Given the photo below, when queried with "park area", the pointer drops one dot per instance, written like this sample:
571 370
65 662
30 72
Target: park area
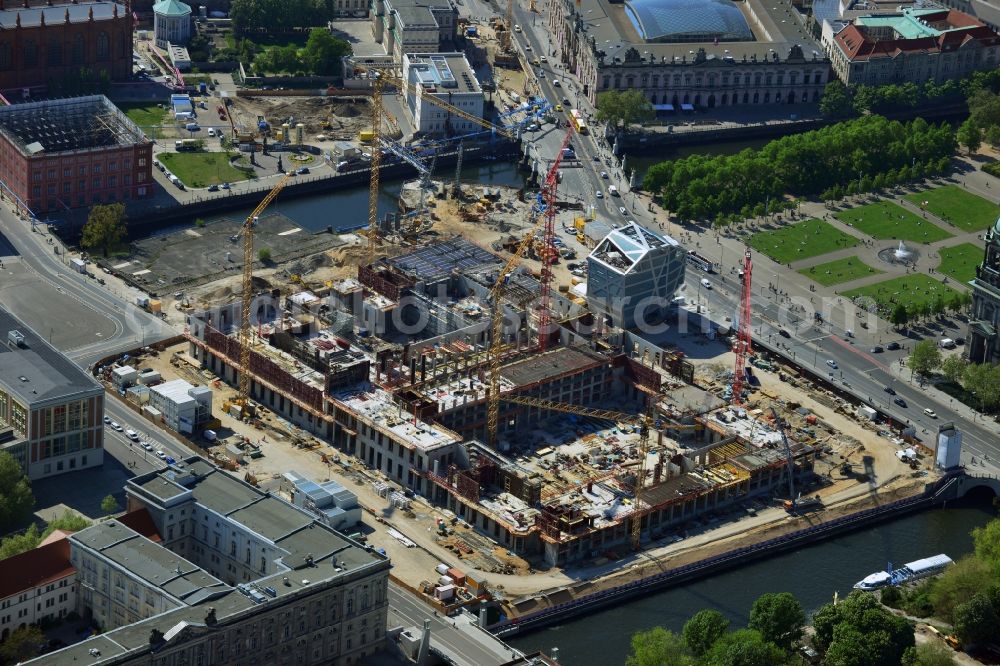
149 117
958 207
803 240
884 220
960 261
839 271
204 169
912 291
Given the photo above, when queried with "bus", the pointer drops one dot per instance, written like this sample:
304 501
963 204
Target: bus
701 262
578 122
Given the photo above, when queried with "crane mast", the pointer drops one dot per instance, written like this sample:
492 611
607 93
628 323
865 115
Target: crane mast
744 342
548 245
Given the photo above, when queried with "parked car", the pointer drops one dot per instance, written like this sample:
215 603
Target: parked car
302 171
116 426
213 188
132 434
876 350
160 454
107 419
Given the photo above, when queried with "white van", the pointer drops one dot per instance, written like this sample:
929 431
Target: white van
947 343
192 127
613 191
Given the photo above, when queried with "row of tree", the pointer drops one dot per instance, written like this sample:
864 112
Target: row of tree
905 313
983 123
981 380
623 108
858 631
706 187
278 15
890 178
840 101
320 56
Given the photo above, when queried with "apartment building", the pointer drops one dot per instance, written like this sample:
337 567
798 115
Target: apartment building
36 585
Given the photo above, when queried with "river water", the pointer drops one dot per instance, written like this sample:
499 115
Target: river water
812 574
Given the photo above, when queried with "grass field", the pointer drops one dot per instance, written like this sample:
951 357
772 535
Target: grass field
887 220
146 116
909 290
960 261
838 271
802 240
956 206
202 169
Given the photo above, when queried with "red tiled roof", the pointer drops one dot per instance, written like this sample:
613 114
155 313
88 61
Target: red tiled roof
857 46
34 568
140 521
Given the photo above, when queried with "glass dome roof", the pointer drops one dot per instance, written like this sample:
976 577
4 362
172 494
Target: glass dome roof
688 20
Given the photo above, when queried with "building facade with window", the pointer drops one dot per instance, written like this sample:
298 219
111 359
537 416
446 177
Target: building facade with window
690 54
984 341
44 43
237 576
51 411
37 585
450 78
71 153
414 26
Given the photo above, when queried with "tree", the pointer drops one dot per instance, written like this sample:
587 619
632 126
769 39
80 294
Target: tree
899 316
984 108
924 358
658 647
22 645
105 227
969 135
779 618
109 504
745 647
983 381
953 368
992 135
987 544
264 254
323 52
16 500
835 102
928 654
958 584
977 620
858 631
623 108
703 630
16 544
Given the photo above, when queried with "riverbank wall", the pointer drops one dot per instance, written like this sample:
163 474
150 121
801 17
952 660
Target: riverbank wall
943 490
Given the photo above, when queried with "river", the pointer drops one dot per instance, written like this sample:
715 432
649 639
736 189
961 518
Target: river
812 574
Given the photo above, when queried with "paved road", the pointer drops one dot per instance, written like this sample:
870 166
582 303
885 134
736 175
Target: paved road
465 643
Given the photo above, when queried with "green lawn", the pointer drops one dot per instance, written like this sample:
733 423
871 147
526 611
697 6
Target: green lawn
887 220
839 270
146 116
960 261
202 169
956 206
802 240
909 290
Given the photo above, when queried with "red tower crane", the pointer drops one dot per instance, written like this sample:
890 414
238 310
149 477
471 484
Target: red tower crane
744 343
549 251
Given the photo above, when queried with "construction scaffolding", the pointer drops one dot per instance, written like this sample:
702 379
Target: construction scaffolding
67 125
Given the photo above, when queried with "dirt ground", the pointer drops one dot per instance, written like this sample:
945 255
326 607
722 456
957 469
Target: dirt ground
347 116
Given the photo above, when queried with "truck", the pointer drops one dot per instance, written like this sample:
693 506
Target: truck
366 136
182 145
803 504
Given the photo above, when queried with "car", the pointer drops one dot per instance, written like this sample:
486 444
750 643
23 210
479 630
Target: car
876 350
705 283
536 62
132 434
559 107
157 164
213 188
226 186
302 171
930 412
517 28
600 195
160 453
116 426
555 82
565 101
623 210
161 167
900 402
541 74
960 341
830 362
892 346
544 59
211 131
783 333
889 390
107 419
604 175
527 47
147 446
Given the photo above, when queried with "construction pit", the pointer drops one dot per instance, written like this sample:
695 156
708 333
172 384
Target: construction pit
333 118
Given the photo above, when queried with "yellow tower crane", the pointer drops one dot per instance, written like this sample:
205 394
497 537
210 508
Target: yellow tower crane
376 162
645 423
245 331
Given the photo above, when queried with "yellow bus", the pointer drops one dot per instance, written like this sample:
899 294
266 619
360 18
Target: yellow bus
578 122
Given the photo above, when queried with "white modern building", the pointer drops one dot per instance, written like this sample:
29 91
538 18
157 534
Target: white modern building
450 78
182 406
171 22
333 505
632 275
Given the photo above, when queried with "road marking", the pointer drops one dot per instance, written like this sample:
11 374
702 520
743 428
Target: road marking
290 232
144 271
122 265
189 232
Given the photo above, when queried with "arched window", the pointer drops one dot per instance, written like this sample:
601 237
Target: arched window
78 49
123 45
103 46
4 56
54 54
30 53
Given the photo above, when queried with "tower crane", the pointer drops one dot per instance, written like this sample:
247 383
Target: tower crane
373 189
507 38
547 196
245 331
549 252
744 343
644 421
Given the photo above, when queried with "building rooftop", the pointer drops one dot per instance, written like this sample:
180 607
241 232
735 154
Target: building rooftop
67 125
377 408
35 371
176 391
559 361
688 20
171 8
438 260
75 12
443 73
912 30
34 568
625 247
